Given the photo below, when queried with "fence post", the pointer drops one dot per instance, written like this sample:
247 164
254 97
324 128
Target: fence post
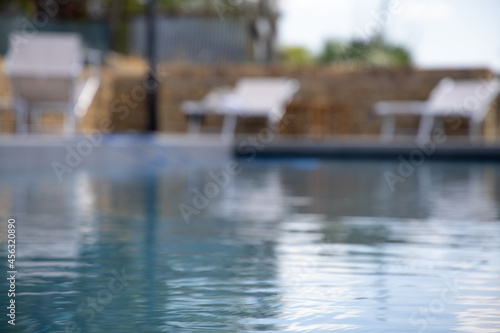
151 54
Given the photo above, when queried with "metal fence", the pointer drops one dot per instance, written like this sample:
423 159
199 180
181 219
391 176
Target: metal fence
196 39
95 34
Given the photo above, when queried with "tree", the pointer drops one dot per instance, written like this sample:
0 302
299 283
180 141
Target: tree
374 53
332 52
296 56
13 6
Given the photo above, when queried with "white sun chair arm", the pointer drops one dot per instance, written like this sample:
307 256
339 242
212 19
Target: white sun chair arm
86 96
89 87
389 108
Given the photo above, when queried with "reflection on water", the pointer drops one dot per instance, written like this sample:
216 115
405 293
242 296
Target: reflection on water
300 246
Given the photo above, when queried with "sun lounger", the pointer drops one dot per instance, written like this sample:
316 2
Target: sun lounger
251 97
45 73
468 99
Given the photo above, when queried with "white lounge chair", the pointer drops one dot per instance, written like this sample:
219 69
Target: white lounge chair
45 73
469 99
251 97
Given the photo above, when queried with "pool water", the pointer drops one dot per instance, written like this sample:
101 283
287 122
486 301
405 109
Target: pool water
299 245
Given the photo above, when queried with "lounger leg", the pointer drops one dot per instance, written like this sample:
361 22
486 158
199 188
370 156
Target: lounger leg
474 130
36 117
229 127
22 113
194 124
425 128
439 123
273 124
70 121
387 131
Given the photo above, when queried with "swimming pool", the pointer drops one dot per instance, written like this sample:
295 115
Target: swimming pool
297 245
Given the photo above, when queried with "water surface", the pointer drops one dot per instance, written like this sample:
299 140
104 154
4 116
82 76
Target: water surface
285 246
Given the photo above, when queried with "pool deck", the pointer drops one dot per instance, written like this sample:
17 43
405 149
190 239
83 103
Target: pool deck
32 151
26 152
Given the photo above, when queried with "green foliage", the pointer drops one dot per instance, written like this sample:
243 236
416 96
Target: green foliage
374 53
126 6
17 5
171 6
139 6
296 56
332 52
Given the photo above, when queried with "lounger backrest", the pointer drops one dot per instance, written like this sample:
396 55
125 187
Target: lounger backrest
464 97
263 94
42 67
44 54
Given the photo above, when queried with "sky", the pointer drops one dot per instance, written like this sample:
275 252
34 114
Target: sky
438 33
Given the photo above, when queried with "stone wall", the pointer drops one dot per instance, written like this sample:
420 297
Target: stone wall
332 101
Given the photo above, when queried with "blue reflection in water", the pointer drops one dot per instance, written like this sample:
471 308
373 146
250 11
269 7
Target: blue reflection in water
301 246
